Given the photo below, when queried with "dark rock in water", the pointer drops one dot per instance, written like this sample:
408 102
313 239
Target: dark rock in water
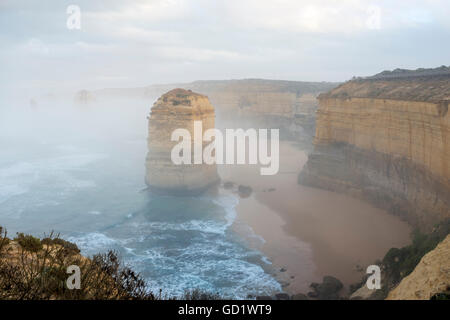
228 185
327 290
299 296
282 296
244 191
264 298
332 284
283 270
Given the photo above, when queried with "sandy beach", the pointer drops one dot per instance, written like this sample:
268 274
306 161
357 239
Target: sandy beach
307 232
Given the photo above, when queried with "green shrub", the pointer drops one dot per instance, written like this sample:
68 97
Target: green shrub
28 242
400 262
441 296
38 272
71 248
197 294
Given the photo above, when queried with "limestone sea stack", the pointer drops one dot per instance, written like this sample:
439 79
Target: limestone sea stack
176 109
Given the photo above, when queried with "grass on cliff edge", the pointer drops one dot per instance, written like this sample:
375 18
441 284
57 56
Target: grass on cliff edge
400 262
35 269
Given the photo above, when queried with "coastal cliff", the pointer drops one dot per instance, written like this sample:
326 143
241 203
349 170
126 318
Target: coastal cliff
386 139
279 104
177 108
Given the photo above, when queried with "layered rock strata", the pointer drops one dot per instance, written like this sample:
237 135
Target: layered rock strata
176 109
286 105
387 140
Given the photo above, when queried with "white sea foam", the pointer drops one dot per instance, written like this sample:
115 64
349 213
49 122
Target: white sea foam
266 260
207 226
228 202
93 242
199 265
191 272
206 257
203 272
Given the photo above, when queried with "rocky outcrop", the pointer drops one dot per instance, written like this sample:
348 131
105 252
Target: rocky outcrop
430 277
387 141
177 108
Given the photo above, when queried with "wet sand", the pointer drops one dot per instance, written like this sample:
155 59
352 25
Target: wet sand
310 232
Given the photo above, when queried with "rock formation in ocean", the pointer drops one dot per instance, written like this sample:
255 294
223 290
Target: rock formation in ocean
386 139
430 277
177 108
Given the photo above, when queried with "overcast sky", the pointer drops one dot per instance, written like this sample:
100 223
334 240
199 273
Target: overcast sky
137 43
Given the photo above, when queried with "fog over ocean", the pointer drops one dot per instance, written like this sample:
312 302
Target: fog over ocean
78 170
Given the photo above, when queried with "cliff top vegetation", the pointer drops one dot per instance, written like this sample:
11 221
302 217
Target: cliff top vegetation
426 85
36 269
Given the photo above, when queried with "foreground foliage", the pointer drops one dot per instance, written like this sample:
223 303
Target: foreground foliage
35 269
31 268
400 262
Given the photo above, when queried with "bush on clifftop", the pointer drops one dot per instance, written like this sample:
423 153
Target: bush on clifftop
400 262
35 269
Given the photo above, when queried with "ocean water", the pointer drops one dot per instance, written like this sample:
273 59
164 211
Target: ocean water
92 192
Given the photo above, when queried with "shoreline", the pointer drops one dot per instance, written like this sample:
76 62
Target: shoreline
291 261
309 233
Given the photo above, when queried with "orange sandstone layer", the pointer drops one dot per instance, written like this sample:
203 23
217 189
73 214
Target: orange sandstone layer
372 143
417 131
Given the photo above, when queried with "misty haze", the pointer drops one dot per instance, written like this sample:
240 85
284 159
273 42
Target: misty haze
90 96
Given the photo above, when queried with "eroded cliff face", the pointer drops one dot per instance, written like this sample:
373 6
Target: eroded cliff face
372 143
286 105
177 108
431 276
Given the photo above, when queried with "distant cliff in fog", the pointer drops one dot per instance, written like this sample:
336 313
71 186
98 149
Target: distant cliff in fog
288 105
